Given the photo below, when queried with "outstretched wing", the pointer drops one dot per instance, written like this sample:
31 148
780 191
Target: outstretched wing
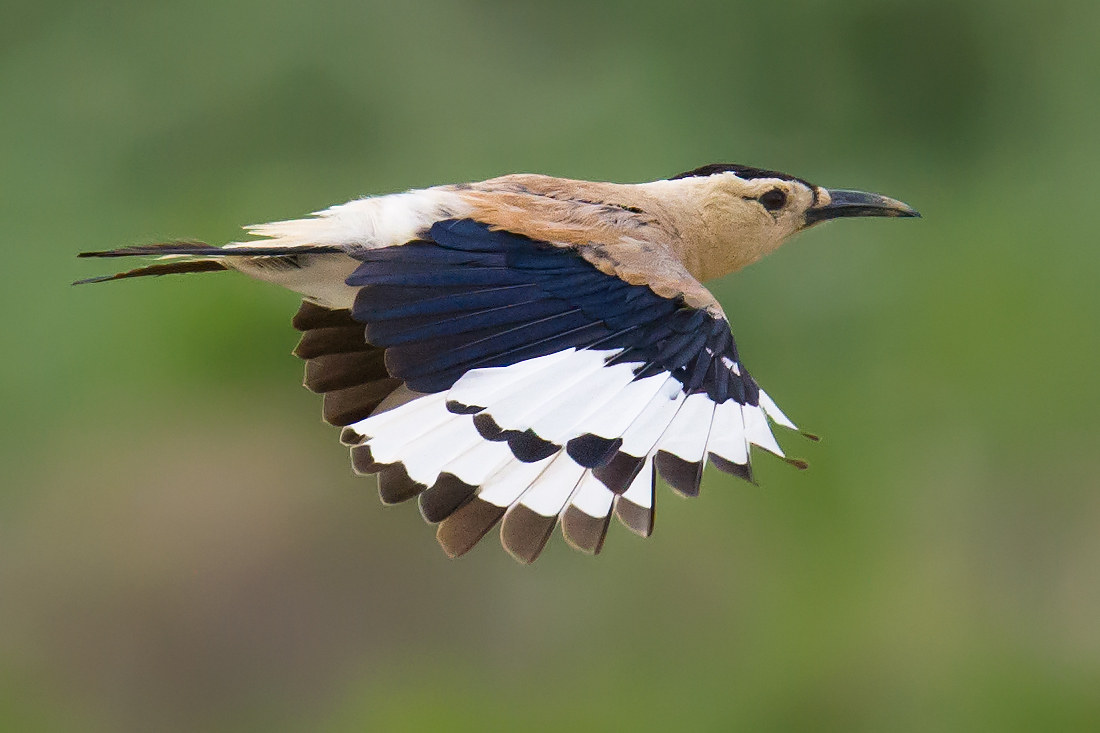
504 378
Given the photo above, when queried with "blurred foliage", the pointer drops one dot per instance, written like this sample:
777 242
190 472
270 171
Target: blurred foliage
182 546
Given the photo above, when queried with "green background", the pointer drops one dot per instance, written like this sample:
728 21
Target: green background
183 546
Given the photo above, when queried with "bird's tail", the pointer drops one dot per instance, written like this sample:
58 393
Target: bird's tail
187 257
165 268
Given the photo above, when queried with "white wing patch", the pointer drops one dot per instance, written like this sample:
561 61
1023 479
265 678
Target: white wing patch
549 493
727 434
592 497
646 425
757 430
686 436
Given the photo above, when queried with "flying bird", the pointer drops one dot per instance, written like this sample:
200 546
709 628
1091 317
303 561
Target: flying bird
529 350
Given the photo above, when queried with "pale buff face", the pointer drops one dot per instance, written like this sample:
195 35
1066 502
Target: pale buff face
726 222
748 219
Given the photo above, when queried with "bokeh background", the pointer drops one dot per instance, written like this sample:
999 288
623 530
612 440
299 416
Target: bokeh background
183 546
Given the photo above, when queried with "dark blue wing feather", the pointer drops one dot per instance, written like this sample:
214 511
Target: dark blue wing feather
392 273
383 302
467 297
417 328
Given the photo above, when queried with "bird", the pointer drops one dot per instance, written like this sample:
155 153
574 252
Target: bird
532 351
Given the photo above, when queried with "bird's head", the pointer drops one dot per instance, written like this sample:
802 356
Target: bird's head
745 213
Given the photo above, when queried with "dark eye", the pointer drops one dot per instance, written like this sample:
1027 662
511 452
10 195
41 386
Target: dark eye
773 200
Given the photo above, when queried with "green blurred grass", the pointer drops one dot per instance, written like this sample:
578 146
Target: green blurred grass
182 546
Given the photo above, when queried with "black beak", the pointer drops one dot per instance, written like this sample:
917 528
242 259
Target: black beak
856 203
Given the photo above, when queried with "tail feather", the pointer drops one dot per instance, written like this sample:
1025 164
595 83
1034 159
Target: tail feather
182 247
199 248
188 257
167 268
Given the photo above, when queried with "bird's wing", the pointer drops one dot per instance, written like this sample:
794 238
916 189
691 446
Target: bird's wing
623 235
509 379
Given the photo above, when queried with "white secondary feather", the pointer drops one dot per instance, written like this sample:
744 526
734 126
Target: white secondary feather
426 437
727 433
614 417
686 436
480 462
425 457
757 430
368 223
506 485
640 491
380 422
408 422
483 387
592 497
539 393
647 428
550 492
568 416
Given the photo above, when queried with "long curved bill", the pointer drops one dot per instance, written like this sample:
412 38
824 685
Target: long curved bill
843 203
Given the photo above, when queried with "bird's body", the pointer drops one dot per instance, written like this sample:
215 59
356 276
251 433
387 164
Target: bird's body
530 348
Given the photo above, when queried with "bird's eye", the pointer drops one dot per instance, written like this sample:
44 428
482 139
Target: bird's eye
773 200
